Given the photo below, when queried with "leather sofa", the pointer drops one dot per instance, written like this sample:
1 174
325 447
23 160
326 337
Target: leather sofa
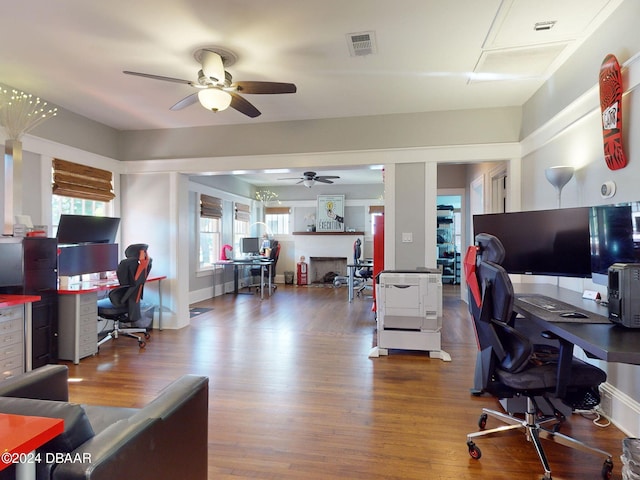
165 439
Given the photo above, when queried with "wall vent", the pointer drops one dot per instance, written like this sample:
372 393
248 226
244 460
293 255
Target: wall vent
362 43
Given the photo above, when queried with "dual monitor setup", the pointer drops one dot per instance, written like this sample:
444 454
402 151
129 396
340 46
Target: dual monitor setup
86 245
600 242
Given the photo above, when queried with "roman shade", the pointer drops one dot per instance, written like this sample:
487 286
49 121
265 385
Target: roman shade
81 181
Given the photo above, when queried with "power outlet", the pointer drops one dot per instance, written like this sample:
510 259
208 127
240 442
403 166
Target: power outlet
606 401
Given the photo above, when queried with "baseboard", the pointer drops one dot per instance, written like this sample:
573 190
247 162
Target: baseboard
624 410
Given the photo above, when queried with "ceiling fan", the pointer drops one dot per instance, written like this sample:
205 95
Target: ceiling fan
216 89
309 178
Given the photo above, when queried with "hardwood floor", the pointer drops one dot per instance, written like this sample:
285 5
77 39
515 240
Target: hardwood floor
293 394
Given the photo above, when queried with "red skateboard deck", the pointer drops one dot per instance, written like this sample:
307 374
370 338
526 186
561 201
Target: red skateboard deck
611 108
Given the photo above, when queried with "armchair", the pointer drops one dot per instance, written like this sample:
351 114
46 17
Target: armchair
510 365
123 302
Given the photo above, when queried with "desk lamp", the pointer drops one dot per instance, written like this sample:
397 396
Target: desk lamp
559 177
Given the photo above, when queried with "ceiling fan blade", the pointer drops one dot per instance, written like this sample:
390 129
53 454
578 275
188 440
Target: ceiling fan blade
322 180
265 87
325 177
160 77
185 102
243 106
212 66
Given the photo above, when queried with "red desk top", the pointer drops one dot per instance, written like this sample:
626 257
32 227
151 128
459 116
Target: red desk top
13 300
22 434
97 285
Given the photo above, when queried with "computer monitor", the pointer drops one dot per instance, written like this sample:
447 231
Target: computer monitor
79 229
541 242
90 258
614 234
250 245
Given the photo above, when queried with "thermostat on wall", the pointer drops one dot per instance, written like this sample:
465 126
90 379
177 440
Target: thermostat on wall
607 189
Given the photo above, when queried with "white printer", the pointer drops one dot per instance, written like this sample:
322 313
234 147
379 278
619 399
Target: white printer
409 312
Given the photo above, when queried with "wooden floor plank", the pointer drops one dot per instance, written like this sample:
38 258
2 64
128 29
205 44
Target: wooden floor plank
293 394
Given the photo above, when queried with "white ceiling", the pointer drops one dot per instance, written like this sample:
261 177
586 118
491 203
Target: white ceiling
431 55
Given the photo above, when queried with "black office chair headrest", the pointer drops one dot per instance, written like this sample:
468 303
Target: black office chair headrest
133 250
490 248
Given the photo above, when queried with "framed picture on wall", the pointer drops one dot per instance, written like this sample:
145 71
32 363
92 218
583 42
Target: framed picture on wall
330 213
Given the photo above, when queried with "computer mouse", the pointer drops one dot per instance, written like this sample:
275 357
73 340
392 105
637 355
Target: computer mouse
574 315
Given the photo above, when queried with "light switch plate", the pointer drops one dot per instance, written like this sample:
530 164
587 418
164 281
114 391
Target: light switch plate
407 237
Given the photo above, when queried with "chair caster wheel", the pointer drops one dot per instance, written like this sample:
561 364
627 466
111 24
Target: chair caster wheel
607 469
142 344
482 421
474 451
147 336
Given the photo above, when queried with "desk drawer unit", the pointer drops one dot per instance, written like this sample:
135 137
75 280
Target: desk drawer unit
78 335
11 341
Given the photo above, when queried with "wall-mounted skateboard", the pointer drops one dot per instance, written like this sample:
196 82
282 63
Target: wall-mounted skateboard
611 108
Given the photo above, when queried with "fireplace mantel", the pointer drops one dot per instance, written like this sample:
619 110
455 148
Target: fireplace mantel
325 244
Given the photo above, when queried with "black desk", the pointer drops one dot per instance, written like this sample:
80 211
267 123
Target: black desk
247 263
605 341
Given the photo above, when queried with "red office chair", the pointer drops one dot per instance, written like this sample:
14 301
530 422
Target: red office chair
123 302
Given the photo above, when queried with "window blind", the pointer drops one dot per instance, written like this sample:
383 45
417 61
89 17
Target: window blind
81 181
243 212
276 210
210 207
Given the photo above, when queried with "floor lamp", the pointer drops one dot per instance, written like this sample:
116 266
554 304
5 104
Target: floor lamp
558 177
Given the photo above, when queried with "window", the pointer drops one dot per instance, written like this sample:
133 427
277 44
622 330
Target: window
209 231
209 239
277 220
76 206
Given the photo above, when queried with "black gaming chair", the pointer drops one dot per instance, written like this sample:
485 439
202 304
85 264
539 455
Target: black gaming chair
363 273
123 302
512 366
274 254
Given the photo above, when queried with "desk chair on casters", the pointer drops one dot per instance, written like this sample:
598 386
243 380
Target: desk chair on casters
511 365
365 273
123 302
274 253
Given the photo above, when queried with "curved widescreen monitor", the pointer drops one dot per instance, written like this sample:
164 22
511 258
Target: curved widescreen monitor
80 229
542 242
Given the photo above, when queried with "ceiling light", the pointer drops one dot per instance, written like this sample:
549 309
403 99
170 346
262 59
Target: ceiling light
214 99
308 182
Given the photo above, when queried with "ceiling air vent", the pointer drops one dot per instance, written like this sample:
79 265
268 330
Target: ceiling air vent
361 44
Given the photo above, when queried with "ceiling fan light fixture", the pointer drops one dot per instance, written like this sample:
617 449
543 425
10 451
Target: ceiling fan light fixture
308 182
214 99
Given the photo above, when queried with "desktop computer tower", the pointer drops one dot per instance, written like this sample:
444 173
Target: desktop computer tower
623 282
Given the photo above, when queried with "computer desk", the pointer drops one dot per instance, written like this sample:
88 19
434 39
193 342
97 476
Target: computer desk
605 341
249 262
78 314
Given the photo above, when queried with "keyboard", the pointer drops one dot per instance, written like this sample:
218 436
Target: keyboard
556 308
547 303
